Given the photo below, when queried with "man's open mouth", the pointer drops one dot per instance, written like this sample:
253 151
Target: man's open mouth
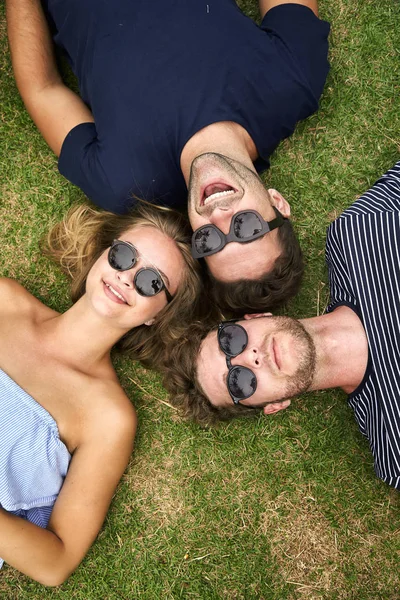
215 191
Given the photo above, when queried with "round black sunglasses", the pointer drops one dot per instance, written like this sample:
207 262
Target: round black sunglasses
241 381
148 282
246 226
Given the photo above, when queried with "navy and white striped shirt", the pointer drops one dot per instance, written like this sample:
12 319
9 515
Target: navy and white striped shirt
363 257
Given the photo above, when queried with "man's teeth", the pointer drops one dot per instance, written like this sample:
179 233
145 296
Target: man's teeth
218 195
115 292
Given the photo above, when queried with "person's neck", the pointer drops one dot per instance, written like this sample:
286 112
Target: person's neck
226 138
79 337
341 349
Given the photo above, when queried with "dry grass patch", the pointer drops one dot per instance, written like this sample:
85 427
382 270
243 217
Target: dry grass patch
374 567
20 244
16 232
322 561
374 555
157 487
304 544
16 213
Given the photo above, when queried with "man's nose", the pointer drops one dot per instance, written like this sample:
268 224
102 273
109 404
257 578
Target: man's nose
221 218
252 357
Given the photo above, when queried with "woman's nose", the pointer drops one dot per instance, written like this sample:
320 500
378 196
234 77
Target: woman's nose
126 278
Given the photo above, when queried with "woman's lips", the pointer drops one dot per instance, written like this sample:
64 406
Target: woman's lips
114 294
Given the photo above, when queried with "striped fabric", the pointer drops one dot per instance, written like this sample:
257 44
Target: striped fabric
33 460
363 257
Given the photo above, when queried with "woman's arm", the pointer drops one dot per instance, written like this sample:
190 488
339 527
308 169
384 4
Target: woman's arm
54 108
50 555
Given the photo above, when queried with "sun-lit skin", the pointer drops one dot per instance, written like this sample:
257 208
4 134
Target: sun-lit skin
279 352
219 187
112 293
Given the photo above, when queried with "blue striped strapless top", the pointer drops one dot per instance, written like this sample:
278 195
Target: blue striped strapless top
33 459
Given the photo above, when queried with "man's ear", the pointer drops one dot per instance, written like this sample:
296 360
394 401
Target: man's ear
256 316
148 323
279 202
274 407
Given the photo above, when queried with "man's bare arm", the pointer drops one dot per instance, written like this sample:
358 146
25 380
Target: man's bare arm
54 108
266 5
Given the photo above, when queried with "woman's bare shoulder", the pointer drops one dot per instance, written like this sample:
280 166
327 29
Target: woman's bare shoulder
112 412
13 296
9 287
15 300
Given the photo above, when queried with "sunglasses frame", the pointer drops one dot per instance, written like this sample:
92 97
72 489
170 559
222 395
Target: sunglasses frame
133 263
266 227
228 357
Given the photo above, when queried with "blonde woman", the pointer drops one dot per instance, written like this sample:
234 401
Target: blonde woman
67 425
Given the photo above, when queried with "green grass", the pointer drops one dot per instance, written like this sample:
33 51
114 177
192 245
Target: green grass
286 507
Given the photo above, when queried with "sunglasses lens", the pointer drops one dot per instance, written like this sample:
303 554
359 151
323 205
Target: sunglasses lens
121 257
148 282
242 382
232 339
206 240
246 225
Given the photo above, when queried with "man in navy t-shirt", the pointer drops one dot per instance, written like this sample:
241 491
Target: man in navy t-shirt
178 94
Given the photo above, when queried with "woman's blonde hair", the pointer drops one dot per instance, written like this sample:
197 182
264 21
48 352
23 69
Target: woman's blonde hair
82 236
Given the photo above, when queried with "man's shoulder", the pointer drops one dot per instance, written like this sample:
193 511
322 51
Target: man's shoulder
382 196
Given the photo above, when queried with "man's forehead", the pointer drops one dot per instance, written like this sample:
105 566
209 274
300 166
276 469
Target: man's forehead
245 261
207 346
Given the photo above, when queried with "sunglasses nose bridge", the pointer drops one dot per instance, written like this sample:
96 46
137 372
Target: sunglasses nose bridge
127 276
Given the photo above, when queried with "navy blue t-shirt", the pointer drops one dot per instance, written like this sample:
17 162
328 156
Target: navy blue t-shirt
156 72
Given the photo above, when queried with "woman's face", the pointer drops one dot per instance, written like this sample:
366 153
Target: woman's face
113 294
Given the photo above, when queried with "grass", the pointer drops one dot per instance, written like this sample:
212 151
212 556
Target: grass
279 508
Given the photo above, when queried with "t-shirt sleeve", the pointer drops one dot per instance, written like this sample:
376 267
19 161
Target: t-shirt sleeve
383 196
81 163
369 228
340 282
386 191
305 36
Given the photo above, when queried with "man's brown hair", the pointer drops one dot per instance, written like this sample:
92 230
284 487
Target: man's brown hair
273 289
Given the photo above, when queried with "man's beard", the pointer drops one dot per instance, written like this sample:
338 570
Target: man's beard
302 379
238 175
